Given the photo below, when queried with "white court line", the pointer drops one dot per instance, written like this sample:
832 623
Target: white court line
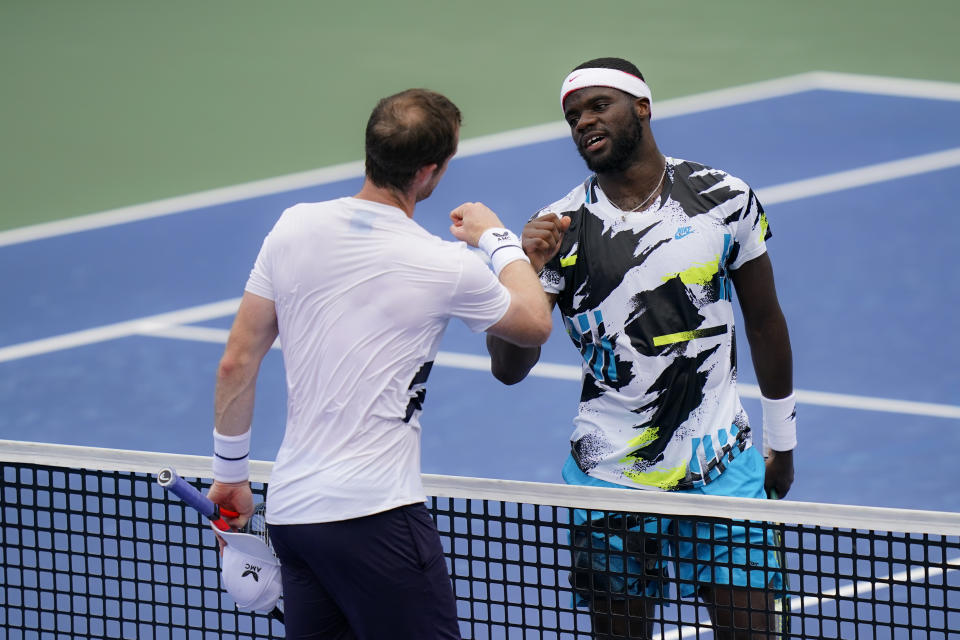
197 334
863 176
572 372
886 86
519 137
119 330
777 193
867 403
168 322
919 575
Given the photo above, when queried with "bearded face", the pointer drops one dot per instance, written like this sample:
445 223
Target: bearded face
620 152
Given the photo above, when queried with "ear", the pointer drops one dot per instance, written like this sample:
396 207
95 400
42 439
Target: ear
424 174
642 107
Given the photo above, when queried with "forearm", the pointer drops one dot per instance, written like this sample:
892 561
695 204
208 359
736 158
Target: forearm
514 340
528 302
772 357
509 363
233 412
512 358
773 364
234 397
526 322
766 330
254 331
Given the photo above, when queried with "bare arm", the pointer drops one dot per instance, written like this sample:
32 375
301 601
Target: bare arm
509 362
527 320
253 332
766 330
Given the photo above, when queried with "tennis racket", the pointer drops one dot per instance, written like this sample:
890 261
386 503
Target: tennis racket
169 480
253 537
781 601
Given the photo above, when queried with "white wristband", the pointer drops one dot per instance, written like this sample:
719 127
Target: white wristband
779 424
231 457
503 247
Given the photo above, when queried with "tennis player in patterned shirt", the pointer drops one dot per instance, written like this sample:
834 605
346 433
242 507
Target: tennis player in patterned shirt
641 259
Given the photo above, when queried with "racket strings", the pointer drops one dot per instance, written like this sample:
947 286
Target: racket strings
257 526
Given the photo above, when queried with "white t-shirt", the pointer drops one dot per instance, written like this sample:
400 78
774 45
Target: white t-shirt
363 295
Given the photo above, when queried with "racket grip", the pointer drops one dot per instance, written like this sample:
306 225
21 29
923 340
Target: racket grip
169 480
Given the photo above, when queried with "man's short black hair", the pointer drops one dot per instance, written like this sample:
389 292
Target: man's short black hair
612 63
407 131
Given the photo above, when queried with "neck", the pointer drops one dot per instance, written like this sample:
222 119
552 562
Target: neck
393 197
637 185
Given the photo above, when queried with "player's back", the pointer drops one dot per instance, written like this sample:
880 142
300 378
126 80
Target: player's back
362 294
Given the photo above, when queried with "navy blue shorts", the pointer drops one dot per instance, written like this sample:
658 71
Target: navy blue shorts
380 576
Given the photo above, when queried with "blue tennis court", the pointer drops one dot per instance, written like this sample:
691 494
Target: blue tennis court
111 335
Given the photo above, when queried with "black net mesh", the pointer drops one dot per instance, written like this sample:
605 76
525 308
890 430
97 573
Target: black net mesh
108 554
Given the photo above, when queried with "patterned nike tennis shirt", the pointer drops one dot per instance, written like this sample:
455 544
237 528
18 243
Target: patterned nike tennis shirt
646 299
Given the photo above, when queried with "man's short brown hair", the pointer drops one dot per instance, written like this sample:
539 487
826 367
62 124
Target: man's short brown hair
407 131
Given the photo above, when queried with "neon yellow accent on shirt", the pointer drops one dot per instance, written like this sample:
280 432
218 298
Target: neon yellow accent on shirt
699 273
671 338
568 261
666 479
644 437
763 227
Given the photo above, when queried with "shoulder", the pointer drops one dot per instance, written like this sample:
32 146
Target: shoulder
307 212
572 202
309 208
704 176
419 246
699 184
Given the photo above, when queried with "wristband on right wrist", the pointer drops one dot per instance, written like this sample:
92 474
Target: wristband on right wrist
502 246
231 457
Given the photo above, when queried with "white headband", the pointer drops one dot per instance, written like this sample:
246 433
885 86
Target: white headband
626 82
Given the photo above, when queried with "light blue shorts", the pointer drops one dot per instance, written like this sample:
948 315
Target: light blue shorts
700 552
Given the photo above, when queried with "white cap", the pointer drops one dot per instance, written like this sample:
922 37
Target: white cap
250 571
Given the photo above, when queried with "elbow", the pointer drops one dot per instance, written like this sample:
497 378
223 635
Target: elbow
513 369
506 375
524 328
226 370
541 326
509 362
232 367
542 333
537 333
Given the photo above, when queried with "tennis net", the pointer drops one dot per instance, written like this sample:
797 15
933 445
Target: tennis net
92 547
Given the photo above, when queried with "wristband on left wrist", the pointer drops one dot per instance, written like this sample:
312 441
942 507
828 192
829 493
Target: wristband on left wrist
779 424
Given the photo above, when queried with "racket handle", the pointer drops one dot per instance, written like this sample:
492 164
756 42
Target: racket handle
169 480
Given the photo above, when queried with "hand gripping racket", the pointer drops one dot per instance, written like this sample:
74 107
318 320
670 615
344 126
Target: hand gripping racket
253 538
169 480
